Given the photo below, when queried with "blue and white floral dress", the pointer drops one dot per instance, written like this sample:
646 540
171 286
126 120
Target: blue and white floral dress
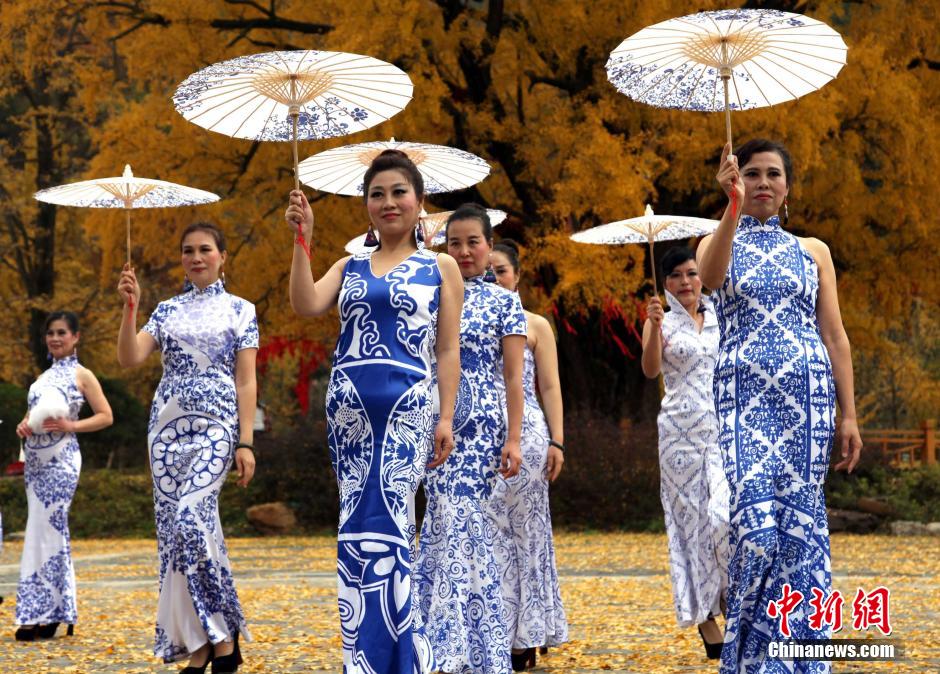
457 575
525 550
192 435
693 487
379 416
46 592
776 413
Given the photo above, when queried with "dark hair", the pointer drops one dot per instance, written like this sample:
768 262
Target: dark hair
70 319
394 160
674 257
209 228
471 211
510 249
752 147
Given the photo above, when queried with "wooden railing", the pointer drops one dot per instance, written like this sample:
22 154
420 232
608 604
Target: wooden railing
904 449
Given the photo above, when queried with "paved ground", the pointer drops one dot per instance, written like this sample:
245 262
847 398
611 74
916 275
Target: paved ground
615 587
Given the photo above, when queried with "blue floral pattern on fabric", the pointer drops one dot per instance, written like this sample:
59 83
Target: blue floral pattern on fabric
192 432
458 577
378 410
693 487
46 592
525 548
775 401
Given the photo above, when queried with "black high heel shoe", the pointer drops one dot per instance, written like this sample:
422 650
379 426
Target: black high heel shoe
712 651
190 669
522 661
27 633
228 664
48 631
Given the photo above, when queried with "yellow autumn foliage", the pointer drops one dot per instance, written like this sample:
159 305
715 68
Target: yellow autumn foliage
86 88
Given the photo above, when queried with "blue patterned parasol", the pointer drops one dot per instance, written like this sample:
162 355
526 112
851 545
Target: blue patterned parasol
648 229
734 59
342 169
127 192
293 95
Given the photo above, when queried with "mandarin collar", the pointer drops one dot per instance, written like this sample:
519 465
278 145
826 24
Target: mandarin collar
210 290
750 222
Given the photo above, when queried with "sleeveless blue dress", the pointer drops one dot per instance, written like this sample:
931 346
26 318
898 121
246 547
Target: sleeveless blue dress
379 416
46 591
776 412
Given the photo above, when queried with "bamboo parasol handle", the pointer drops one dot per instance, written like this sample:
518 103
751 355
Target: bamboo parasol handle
652 262
294 115
127 213
724 81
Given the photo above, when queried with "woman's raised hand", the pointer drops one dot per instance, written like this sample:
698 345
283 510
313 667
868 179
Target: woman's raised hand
729 177
299 213
654 310
128 288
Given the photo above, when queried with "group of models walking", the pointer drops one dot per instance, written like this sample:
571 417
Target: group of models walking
434 382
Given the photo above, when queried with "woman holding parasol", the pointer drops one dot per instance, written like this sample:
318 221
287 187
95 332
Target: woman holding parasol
683 345
397 304
201 423
784 359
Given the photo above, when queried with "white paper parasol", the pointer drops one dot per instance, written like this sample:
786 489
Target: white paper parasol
433 227
342 169
127 192
647 229
734 59
291 95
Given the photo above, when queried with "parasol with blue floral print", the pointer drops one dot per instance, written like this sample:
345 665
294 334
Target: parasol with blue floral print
648 229
443 168
126 191
293 95
734 59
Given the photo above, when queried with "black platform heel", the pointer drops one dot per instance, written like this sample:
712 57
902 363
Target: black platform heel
712 651
190 669
26 633
522 661
228 664
48 631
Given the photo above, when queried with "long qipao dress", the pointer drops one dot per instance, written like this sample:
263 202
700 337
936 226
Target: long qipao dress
379 416
192 434
693 487
525 550
776 412
458 577
46 592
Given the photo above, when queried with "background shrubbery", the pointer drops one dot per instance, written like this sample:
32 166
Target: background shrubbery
610 481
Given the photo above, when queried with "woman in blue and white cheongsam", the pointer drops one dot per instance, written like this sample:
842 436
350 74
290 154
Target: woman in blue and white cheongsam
45 595
526 551
683 345
399 308
201 422
458 576
783 361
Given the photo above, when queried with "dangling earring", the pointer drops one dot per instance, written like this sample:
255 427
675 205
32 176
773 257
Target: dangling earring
490 275
786 212
371 239
222 275
419 233
49 356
